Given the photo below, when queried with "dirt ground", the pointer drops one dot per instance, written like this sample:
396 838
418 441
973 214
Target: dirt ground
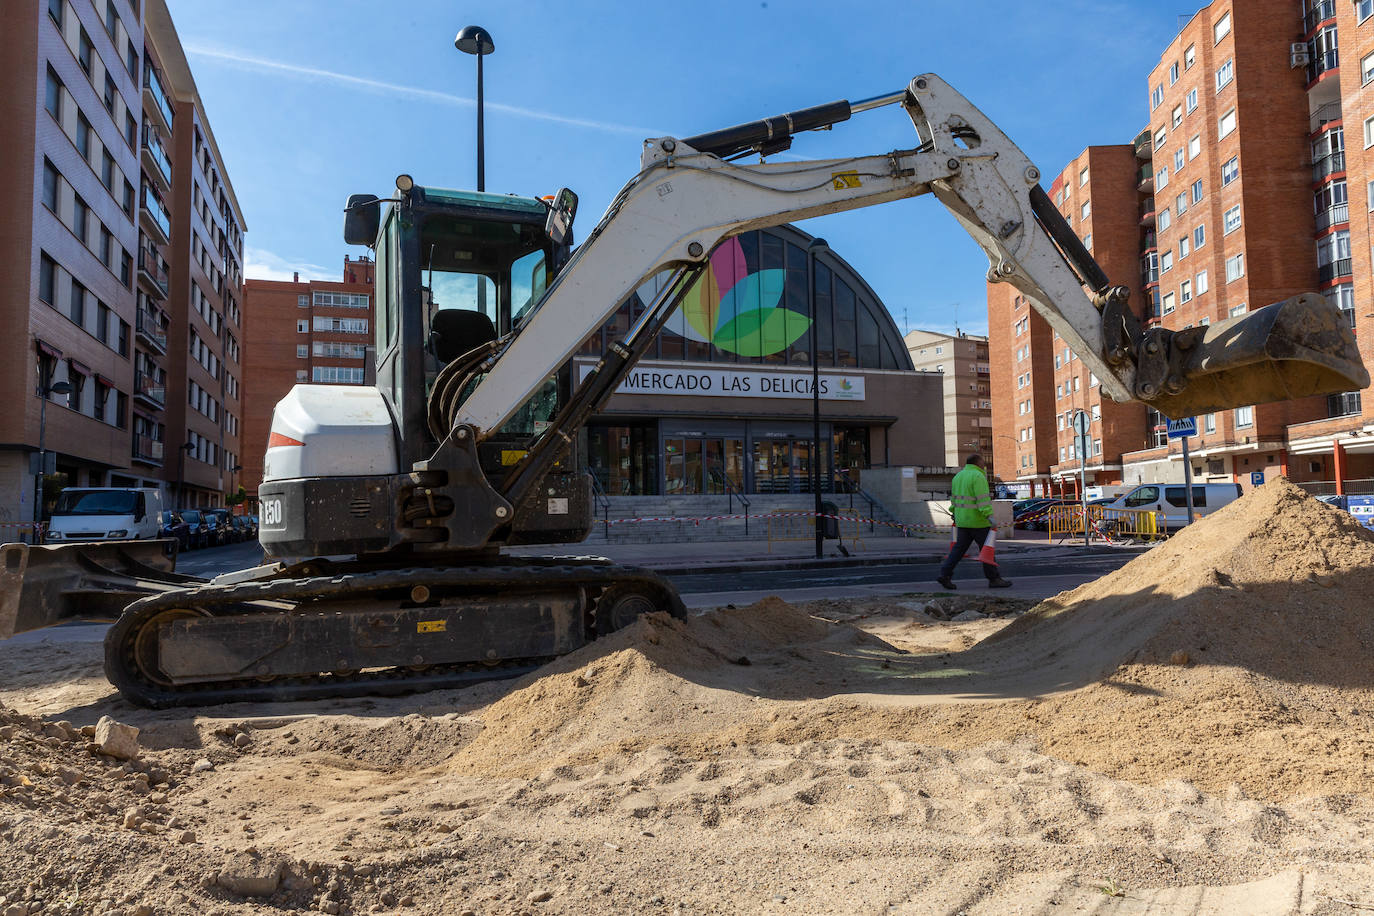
1190 734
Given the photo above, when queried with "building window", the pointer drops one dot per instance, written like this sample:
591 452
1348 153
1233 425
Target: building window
81 218
1185 292
1166 219
1200 282
1230 220
1178 159
1197 190
1245 416
337 375
302 326
1088 241
1343 298
1189 57
1173 73
1236 310
49 185
1083 176
302 302
345 301
1166 261
111 90
1235 267
1162 178
55 10
83 136
53 99
47 277
77 307
1086 209
1162 134
1364 9
1191 100
302 351
1195 146
1343 405
1209 423
1226 124
1366 69
1230 170
1181 203
1222 27
1225 73
1183 248
1157 97
1176 117
1167 304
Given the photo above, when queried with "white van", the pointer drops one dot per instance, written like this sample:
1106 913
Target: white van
1171 500
106 514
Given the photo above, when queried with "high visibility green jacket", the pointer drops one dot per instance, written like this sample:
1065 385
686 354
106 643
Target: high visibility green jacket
972 503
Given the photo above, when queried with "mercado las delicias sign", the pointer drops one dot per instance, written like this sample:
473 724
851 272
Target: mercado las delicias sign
734 383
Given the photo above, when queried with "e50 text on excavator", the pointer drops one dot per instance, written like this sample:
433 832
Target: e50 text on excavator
385 506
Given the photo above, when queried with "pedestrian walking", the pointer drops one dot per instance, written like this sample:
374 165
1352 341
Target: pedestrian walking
972 508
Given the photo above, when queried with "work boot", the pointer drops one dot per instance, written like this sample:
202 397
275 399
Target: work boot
999 582
947 582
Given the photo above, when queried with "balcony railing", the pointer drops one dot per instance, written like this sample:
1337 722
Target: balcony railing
1145 178
146 386
1319 13
1149 275
1147 211
153 145
1334 216
146 448
153 206
152 81
1321 63
1328 165
1151 241
152 266
1143 146
151 329
1337 268
1324 115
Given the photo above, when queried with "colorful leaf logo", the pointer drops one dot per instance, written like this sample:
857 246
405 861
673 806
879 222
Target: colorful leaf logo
736 310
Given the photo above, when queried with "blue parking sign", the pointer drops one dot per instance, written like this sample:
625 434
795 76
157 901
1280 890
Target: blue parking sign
1256 478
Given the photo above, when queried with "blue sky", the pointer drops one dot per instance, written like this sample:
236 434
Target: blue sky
313 101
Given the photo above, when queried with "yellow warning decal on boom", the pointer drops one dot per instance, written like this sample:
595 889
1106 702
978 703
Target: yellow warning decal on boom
841 181
431 626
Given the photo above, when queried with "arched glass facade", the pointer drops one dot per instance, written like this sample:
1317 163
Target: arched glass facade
752 307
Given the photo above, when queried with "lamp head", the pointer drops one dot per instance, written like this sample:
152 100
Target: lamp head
474 40
60 388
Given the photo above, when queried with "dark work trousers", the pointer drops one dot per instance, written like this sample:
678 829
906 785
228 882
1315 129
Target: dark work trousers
966 537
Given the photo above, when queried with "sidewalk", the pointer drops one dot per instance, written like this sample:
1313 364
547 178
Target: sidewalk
740 556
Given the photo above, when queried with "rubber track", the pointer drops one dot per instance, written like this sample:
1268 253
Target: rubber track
123 673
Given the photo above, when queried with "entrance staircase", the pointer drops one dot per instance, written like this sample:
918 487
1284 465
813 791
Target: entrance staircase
686 510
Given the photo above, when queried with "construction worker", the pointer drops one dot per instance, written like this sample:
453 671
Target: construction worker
971 504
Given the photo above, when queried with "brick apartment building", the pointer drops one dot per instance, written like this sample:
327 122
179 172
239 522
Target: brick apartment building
116 203
312 332
963 359
1239 186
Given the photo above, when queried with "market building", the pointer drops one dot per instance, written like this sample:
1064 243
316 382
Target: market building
725 392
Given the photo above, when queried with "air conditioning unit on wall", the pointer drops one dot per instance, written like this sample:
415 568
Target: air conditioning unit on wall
1298 54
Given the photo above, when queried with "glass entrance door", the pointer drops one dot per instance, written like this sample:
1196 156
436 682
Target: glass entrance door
783 466
693 465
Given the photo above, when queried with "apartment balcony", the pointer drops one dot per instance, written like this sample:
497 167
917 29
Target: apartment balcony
1145 179
148 391
1322 64
156 218
1324 115
1147 212
151 330
1330 164
152 88
1333 217
152 270
1336 270
147 450
1144 148
1150 242
1319 13
1149 273
155 158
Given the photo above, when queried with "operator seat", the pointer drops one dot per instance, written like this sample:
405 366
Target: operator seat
453 332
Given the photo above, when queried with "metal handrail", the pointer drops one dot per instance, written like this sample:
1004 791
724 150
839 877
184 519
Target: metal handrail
731 494
851 487
602 502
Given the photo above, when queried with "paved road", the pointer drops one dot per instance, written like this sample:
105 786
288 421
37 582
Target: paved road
1038 575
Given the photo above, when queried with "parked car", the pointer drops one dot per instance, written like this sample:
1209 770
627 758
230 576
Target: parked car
244 526
199 527
174 526
224 529
105 514
1031 516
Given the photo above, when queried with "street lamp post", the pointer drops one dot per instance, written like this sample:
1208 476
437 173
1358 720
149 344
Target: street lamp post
44 391
812 252
185 449
234 479
475 40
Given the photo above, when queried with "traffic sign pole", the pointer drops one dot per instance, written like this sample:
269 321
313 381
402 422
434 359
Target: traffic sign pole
1188 479
1081 440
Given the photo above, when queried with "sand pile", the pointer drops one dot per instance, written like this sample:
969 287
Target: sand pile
1236 653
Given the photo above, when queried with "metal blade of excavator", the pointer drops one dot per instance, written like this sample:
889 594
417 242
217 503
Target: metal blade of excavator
45 585
1293 349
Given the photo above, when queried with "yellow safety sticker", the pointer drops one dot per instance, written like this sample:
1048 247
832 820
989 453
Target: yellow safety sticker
844 180
512 456
431 626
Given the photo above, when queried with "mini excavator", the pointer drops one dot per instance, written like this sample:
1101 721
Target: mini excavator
384 507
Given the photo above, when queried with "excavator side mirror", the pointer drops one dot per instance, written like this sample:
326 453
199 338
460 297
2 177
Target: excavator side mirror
362 218
562 210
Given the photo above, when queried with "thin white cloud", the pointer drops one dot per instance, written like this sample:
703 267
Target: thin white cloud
260 264
261 65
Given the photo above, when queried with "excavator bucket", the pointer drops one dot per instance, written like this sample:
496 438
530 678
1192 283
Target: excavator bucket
43 586
1293 349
